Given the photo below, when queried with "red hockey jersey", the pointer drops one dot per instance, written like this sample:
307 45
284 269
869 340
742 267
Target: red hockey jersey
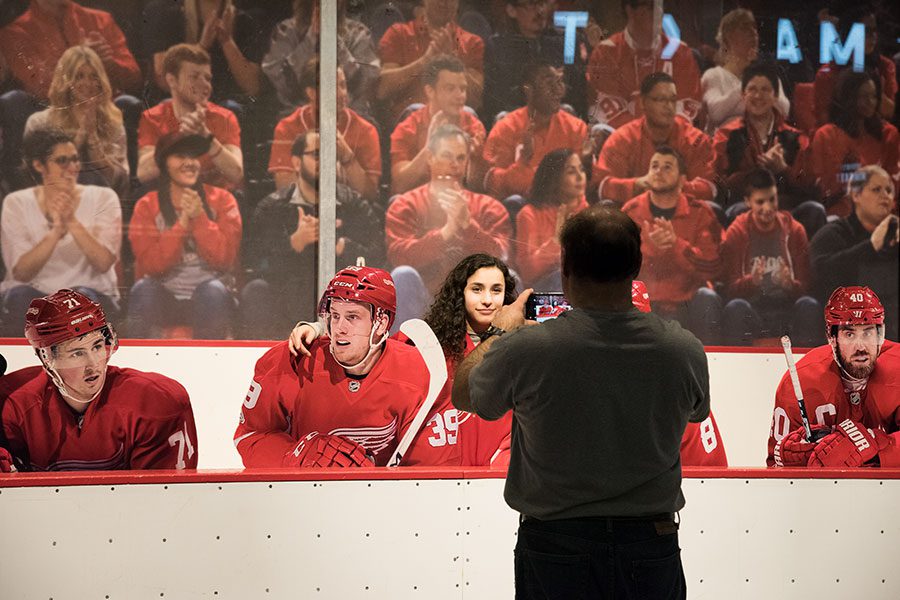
139 421
828 403
615 72
702 446
291 398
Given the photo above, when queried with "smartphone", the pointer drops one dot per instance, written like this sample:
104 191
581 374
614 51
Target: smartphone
891 232
546 305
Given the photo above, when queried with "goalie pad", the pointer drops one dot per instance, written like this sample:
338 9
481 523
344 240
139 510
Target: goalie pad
850 445
322 450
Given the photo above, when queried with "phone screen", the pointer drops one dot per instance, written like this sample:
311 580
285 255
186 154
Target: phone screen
546 305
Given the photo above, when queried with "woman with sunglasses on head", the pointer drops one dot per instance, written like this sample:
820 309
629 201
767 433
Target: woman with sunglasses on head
59 233
460 316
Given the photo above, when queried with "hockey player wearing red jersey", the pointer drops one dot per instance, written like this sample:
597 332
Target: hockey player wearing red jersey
462 311
851 388
77 413
701 444
350 400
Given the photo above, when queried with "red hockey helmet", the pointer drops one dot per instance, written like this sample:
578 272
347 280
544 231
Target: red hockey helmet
854 305
639 296
62 316
363 284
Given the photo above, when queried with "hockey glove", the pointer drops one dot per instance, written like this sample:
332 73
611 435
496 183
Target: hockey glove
850 445
6 461
318 450
793 450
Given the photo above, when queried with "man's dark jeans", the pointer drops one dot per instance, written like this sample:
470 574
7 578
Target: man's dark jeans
597 558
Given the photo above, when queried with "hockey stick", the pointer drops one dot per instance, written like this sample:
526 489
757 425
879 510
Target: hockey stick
428 346
795 379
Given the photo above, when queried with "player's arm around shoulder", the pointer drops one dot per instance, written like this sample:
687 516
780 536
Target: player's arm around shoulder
164 434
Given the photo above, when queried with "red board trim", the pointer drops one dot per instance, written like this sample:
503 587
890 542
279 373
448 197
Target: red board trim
112 478
270 343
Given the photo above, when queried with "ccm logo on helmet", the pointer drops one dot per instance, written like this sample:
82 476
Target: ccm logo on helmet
854 434
343 284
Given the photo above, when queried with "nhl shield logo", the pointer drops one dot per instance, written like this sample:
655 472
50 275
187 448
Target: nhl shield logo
353 386
854 398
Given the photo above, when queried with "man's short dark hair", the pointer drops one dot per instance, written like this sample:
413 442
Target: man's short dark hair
309 74
758 179
760 69
533 68
442 62
635 3
654 79
670 151
601 244
299 145
38 145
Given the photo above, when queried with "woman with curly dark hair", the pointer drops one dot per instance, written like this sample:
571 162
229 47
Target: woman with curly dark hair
856 136
468 300
464 307
557 193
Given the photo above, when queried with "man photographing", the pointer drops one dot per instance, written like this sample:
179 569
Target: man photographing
594 467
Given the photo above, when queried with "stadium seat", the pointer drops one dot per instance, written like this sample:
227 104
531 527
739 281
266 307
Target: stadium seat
804 107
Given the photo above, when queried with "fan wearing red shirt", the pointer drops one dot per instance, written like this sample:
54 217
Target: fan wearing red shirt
428 229
187 71
33 44
358 149
518 142
680 240
446 88
621 170
877 63
620 64
77 413
557 194
856 136
406 48
766 271
761 139
186 237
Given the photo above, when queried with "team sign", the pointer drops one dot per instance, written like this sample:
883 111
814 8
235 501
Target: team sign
831 48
